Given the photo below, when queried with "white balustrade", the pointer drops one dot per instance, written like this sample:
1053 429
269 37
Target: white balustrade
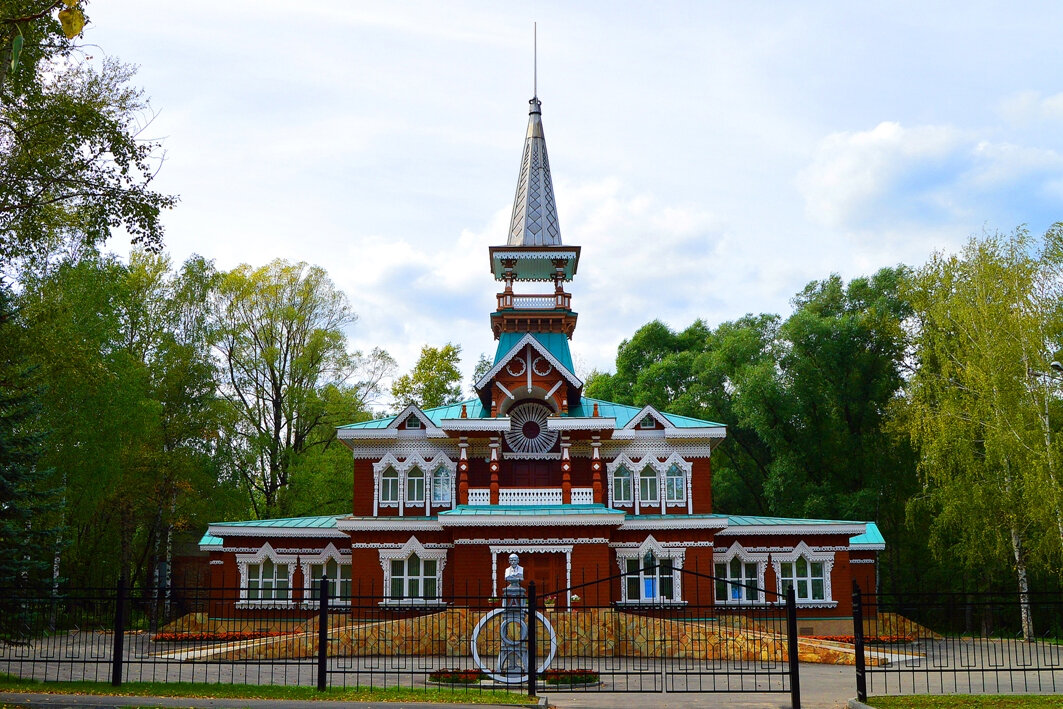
534 302
530 496
582 496
479 496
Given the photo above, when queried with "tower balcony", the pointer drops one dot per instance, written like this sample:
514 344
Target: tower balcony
507 300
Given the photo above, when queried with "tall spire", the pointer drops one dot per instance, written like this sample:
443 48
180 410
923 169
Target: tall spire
534 221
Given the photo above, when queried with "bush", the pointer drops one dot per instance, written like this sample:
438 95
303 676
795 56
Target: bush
456 676
571 677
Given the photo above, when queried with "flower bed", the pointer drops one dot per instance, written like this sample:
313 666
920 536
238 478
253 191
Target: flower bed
215 637
571 677
456 676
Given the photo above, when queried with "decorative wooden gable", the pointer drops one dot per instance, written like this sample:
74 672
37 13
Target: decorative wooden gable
529 371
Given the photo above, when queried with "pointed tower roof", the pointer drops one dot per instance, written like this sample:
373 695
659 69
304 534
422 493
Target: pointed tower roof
534 221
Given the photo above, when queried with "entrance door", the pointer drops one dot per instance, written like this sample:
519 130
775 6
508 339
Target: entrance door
531 473
546 570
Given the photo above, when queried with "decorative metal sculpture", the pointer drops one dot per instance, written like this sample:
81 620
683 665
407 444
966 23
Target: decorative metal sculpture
511 666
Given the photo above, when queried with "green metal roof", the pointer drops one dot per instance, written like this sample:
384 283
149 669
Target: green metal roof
321 522
209 539
871 537
527 511
474 409
624 413
555 342
756 520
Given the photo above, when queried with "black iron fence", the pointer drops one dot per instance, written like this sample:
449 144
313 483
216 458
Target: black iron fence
337 638
967 643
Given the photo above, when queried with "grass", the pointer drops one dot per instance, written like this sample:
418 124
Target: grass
967 701
251 691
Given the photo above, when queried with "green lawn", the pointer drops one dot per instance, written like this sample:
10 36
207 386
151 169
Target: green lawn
968 701
250 691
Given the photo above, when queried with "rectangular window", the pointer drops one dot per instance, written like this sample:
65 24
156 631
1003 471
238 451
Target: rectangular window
622 486
675 485
806 578
648 486
650 579
441 487
267 581
414 578
736 581
389 486
415 486
339 580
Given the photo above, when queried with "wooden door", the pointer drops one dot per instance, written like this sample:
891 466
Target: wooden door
547 570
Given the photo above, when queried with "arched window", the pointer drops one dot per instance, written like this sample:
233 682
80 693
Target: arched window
675 489
621 486
389 487
441 482
648 491
415 486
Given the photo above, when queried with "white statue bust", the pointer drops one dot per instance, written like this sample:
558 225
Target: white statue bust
515 572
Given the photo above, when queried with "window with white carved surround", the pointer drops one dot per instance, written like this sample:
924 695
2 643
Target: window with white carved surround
621 491
442 487
413 575
808 572
265 578
335 567
404 484
415 487
651 573
739 575
657 485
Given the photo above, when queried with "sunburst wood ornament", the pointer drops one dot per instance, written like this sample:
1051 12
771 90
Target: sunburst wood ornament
528 432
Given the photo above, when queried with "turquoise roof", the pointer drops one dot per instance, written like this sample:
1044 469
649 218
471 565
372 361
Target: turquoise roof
209 539
320 522
624 413
474 409
524 511
751 520
871 537
556 343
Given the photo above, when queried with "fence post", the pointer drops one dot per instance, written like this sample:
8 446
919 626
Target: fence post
858 643
119 633
533 661
322 634
791 646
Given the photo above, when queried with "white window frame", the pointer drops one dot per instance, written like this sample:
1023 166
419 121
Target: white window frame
336 595
390 488
415 478
410 548
413 422
617 480
746 558
802 550
648 422
652 483
442 480
660 553
675 485
402 467
244 562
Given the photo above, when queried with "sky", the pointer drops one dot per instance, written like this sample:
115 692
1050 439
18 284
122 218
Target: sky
710 158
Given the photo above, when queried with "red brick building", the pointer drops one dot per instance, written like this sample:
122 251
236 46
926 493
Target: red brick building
579 488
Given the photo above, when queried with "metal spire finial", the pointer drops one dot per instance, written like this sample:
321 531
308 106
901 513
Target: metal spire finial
535 59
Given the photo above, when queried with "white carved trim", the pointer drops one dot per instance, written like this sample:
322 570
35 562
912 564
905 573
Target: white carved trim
861 561
802 549
254 530
660 551
797 529
265 552
217 562
359 524
562 423
412 546
746 557
574 520
645 411
675 522
496 424
567 541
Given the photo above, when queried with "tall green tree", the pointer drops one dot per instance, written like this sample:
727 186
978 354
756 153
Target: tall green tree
985 319
280 346
435 379
27 497
74 164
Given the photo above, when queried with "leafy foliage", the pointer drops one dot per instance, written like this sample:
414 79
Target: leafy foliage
435 379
